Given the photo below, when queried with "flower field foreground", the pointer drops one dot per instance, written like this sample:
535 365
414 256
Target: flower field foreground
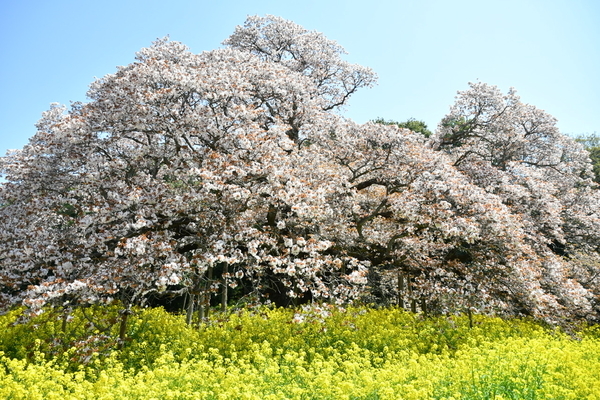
315 353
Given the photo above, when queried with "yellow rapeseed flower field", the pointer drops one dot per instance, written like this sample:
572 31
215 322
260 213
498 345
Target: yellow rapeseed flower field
272 354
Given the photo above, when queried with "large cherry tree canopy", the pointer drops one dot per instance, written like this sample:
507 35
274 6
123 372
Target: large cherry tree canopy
515 151
189 173
179 163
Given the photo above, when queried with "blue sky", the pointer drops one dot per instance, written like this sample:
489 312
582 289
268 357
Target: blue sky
424 51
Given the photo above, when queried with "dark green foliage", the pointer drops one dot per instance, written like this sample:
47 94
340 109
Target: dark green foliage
412 124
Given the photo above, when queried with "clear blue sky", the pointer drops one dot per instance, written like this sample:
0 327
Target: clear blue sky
424 51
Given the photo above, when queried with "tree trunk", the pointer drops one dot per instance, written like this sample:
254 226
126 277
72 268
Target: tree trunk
201 307
413 301
225 288
400 290
190 308
470 314
123 326
208 293
65 320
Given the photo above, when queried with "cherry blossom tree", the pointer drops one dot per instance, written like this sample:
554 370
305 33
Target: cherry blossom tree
194 174
515 151
417 220
180 164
